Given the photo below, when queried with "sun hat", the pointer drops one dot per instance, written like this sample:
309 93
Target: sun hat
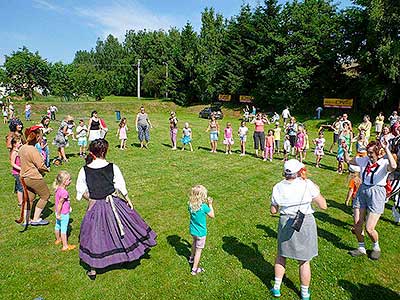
292 166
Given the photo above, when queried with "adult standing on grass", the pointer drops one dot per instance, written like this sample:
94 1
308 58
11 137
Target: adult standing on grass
94 127
291 130
292 198
28 111
369 203
112 232
53 109
213 128
15 126
173 129
379 122
32 169
143 126
285 115
366 126
61 140
336 129
259 134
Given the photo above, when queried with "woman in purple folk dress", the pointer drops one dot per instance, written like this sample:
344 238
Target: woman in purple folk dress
112 232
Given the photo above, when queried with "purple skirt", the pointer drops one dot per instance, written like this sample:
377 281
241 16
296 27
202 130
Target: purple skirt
101 243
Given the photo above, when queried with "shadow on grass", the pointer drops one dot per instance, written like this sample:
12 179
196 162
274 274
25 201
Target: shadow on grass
341 206
252 260
322 166
124 266
334 239
137 145
368 292
268 231
181 246
324 217
167 145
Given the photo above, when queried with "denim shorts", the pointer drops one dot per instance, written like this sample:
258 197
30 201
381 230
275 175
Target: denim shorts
18 185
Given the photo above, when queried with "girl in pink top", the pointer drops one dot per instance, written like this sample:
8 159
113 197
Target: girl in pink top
121 133
300 143
16 167
228 138
62 209
269 145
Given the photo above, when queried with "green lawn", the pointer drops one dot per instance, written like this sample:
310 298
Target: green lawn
241 245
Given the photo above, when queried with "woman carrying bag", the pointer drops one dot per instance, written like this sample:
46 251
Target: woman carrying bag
297 230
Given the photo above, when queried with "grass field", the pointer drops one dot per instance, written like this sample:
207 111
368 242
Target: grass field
241 245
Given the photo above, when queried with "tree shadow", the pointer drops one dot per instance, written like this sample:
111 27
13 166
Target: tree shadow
368 292
181 246
334 239
252 260
268 231
324 217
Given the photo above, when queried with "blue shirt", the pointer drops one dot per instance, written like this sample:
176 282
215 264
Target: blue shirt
198 224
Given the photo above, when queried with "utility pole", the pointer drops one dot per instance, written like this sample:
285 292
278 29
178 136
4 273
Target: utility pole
166 80
138 79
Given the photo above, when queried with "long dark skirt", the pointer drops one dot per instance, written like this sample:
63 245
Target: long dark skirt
101 243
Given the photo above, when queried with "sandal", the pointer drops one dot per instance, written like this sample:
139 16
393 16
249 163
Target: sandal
197 271
70 247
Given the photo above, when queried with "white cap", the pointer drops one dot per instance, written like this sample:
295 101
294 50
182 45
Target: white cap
292 166
354 169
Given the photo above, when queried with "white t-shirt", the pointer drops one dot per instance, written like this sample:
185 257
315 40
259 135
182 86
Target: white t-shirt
377 175
294 195
286 145
243 130
82 131
285 113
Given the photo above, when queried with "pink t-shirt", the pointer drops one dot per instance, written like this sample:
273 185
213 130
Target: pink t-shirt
60 194
259 125
228 132
269 141
14 171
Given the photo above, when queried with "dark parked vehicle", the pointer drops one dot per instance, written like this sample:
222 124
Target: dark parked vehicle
215 110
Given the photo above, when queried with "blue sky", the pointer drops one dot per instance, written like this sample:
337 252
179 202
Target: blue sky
57 29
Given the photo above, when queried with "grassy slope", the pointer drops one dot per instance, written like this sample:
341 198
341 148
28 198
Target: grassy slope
241 245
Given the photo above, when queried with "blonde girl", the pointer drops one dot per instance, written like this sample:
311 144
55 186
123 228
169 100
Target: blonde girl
16 167
199 207
62 209
121 133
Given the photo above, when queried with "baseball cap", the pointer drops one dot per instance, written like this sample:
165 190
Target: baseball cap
292 166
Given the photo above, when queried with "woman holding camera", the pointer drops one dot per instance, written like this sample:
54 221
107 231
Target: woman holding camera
297 230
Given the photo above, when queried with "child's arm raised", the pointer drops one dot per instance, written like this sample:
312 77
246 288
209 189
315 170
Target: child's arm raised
211 214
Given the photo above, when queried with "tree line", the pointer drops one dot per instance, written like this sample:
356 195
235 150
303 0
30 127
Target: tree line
293 54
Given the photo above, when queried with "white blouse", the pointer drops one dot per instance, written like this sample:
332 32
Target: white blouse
81 186
294 195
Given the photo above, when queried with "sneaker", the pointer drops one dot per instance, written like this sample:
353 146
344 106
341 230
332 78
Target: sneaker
275 293
91 274
375 254
70 247
39 222
308 297
357 252
191 259
197 271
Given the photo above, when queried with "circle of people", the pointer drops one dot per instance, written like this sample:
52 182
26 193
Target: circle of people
125 235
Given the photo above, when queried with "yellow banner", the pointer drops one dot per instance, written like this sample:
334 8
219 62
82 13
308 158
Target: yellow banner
338 103
222 97
246 99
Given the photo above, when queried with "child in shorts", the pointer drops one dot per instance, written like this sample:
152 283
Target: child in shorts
198 210
242 132
81 134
